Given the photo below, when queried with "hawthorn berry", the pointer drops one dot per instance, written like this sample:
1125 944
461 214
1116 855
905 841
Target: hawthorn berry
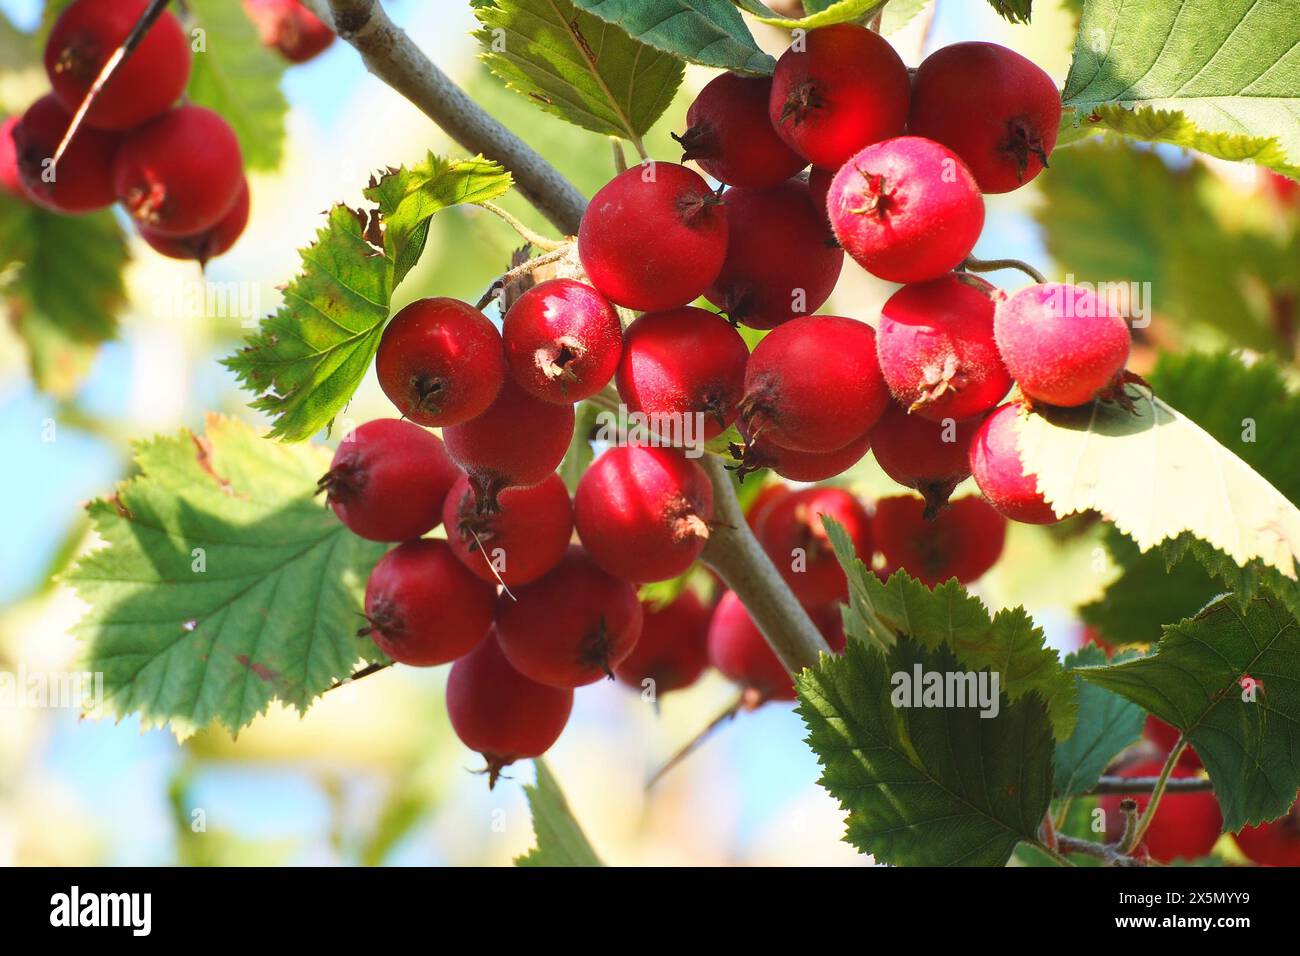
180 173
1062 344
819 186
441 362
643 513
10 180
799 465
1185 826
993 107
83 39
792 534
500 713
814 384
757 509
930 457
936 349
962 541
730 136
674 647
1282 188
562 340
906 210
841 89
682 362
388 480
1000 473
781 260
739 651
208 244
1273 844
527 537
654 237
289 27
571 626
82 179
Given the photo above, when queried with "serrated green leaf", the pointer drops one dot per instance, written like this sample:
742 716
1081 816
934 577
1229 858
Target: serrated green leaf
1107 724
925 786
1221 76
560 840
899 13
1193 682
710 32
1013 11
826 14
224 584
578 67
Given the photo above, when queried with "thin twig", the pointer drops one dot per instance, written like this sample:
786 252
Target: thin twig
1106 852
1150 812
364 672
971 264
620 157
524 269
694 743
533 238
1147 784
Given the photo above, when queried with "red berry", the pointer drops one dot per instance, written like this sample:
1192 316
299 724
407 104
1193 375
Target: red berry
1165 737
1186 825
729 135
993 107
906 209
563 341
440 361
500 713
288 26
1273 844
842 89
571 626
180 173
208 244
962 541
819 185
10 180
781 260
795 539
738 649
1000 473
82 180
654 237
830 622
388 480
814 384
931 457
519 543
88 33
684 362
1284 189
936 349
424 607
1061 343
674 647
756 511
517 442
643 513
800 465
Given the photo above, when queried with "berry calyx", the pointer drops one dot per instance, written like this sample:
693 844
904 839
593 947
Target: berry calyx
1185 826
289 27
930 457
906 210
674 647
563 341
842 89
1273 844
994 108
82 179
388 480
759 453
520 542
792 534
208 244
676 249
1000 473
572 626
730 136
962 541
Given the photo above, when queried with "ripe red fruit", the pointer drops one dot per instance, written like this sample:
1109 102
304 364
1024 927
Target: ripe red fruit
795 539
654 237
288 26
88 33
81 181
563 341
993 107
781 260
180 173
1273 844
1164 736
1284 189
517 442
756 511
995 462
1186 825
1062 344
729 135
738 649
208 244
521 542
799 465
643 513
440 361
906 210
819 186
936 349
425 608
814 384
962 541
388 480
674 647
499 712
10 180
571 626
931 457
844 89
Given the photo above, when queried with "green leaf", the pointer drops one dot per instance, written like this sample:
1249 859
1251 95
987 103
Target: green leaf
1220 76
307 359
838 11
580 454
1193 683
1013 11
560 840
577 66
1107 724
224 584
710 32
925 786
899 13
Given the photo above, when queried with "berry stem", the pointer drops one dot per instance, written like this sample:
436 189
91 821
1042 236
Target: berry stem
1157 792
695 742
971 264
533 238
1148 784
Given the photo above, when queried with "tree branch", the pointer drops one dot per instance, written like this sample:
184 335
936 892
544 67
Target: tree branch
1148 784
